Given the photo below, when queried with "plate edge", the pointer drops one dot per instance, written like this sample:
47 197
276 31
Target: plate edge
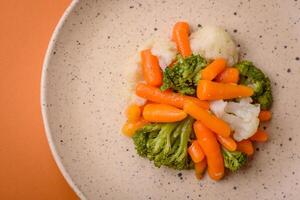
46 61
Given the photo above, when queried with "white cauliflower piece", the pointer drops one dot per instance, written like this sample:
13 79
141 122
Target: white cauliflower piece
218 107
246 100
241 116
163 48
214 42
243 119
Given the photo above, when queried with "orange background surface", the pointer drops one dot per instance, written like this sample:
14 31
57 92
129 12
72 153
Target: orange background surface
27 168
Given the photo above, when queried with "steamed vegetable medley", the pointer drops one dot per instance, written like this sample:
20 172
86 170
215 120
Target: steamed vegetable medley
201 107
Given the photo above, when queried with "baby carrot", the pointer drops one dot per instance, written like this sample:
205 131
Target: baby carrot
229 75
211 149
196 152
200 168
202 104
227 142
163 113
209 120
259 136
167 97
156 95
150 68
133 113
246 147
180 36
129 128
265 115
213 69
208 90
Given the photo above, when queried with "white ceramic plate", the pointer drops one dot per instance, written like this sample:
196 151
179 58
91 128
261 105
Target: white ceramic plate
84 90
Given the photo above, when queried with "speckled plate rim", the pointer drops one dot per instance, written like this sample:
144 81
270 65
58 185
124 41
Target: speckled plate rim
43 99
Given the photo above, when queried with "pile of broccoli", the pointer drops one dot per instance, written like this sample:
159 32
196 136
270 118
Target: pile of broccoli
184 75
255 78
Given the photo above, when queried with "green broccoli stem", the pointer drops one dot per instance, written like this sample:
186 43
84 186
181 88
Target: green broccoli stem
165 135
184 137
176 133
170 129
175 146
163 139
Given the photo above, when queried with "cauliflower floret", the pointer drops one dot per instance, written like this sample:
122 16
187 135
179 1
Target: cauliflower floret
241 116
214 42
163 48
218 107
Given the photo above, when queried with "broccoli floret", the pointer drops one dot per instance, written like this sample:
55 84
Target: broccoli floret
234 160
144 134
161 144
179 158
183 77
165 143
255 78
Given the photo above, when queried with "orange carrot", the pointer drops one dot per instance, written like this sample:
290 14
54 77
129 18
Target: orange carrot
162 113
213 69
209 120
133 113
208 90
265 115
200 168
259 136
202 104
180 36
246 147
129 128
229 75
156 95
212 151
150 68
196 152
227 142
174 99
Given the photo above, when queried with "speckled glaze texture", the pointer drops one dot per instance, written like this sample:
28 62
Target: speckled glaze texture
84 95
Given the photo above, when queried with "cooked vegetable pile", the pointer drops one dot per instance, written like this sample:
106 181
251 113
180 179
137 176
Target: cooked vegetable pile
201 107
